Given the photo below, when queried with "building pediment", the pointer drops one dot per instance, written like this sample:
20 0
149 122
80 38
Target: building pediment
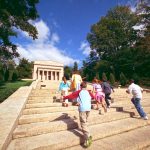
48 63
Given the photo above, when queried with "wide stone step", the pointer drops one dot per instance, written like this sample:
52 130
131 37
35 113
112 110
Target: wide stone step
137 139
40 97
43 95
39 105
44 100
48 110
59 140
25 119
64 124
146 109
128 102
41 91
44 127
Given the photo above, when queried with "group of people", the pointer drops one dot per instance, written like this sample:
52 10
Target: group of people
101 93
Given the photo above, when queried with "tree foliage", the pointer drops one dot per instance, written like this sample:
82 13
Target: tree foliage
25 68
75 67
104 77
15 14
123 79
67 72
112 79
120 40
113 32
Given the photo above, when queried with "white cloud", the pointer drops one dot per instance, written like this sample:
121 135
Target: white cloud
43 31
85 48
44 48
54 38
132 4
138 27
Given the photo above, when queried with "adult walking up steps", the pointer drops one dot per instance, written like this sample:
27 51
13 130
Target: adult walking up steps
47 125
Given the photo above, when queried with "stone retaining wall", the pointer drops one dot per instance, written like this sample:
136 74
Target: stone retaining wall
10 111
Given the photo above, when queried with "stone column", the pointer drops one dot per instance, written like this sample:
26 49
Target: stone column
38 72
42 74
47 75
51 75
54 75
58 76
35 73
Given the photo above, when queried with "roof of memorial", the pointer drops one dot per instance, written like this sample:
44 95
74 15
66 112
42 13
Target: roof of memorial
47 62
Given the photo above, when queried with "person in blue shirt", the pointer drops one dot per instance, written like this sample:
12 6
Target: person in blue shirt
84 106
64 87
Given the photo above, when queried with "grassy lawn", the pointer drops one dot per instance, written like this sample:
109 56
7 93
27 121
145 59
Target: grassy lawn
7 88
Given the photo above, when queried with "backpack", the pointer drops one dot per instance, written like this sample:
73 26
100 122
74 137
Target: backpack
106 88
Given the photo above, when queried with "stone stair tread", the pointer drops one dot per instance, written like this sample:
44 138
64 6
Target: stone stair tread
58 140
64 124
40 101
123 103
48 109
41 96
124 141
31 118
38 105
44 127
28 111
25 119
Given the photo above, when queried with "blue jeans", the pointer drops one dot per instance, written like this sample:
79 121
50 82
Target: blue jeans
136 102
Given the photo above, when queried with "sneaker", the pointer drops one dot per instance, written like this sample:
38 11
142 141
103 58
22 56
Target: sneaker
145 118
88 142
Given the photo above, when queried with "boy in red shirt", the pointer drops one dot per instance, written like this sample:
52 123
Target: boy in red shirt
84 104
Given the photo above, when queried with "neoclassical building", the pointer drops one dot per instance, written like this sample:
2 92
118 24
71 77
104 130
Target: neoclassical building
48 70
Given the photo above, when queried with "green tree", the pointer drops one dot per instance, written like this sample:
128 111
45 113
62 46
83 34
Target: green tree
15 76
6 75
1 72
113 32
11 67
67 72
75 67
25 68
102 66
15 14
113 38
104 77
123 79
142 48
112 79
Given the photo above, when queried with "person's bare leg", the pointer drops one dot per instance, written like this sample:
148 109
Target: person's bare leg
104 106
97 104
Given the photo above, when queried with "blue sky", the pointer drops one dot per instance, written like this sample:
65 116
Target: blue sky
63 26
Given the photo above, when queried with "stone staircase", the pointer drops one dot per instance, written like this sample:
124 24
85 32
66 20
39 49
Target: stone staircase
45 125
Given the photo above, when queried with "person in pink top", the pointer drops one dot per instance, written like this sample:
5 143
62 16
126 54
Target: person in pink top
99 95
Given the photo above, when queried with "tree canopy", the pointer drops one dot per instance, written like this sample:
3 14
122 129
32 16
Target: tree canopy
15 14
120 43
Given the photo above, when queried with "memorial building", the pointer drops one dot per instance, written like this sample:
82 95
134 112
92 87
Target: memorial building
48 70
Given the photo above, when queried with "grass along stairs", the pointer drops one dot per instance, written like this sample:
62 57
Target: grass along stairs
48 125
